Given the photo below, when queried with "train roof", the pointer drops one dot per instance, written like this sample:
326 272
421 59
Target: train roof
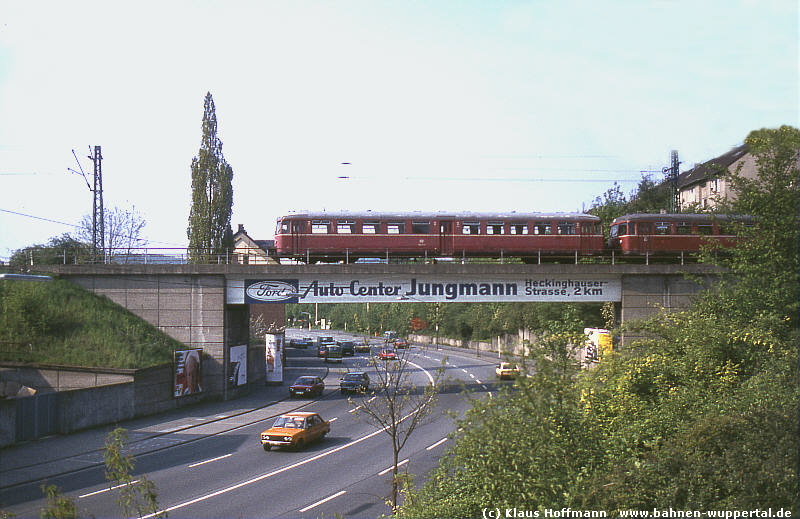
683 217
383 215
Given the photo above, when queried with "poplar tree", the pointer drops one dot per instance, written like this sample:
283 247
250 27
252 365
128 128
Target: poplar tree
209 230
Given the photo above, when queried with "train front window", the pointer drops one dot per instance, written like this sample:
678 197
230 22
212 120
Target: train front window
346 227
420 228
320 227
371 228
396 228
518 228
495 228
542 228
283 227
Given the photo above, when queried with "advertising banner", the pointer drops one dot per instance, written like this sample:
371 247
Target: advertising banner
188 372
275 358
237 374
342 288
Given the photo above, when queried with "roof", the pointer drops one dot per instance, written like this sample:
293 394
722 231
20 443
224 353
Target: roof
436 215
712 167
304 414
683 217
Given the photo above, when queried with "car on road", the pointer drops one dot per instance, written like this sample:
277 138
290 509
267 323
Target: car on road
322 345
307 386
296 429
506 370
363 347
400 343
348 347
354 381
303 342
387 355
333 352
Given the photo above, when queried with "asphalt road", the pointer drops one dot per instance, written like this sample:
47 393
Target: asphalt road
219 469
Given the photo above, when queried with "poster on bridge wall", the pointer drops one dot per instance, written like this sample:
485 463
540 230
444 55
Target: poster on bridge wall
343 288
274 353
237 375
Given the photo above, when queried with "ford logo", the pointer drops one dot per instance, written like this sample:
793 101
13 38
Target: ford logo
271 291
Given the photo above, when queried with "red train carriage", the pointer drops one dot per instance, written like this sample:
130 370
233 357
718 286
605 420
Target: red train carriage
348 236
642 234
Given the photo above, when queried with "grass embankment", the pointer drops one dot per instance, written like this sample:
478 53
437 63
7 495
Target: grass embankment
60 323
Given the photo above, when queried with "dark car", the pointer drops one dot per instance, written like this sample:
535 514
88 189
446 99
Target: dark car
348 347
333 352
363 347
355 381
304 342
322 345
307 386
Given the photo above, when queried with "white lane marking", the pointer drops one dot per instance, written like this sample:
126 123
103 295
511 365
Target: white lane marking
268 474
107 489
479 382
386 471
436 444
353 410
333 419
471 375
464 370
309 507
423 370
209 461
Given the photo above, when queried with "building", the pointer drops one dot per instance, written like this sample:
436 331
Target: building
702 186
248 251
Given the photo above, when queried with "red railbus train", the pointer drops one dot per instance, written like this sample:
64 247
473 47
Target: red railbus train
335 236
663 234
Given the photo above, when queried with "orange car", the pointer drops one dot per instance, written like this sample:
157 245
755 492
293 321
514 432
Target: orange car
296 429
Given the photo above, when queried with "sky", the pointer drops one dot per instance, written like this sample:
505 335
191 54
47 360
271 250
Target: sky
455 105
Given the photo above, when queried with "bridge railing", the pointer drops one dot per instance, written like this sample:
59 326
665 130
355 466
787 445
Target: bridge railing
136 256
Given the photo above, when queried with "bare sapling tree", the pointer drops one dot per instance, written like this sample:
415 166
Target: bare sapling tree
403 398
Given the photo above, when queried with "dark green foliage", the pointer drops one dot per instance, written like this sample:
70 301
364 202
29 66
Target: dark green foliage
60 323
59 250
209 230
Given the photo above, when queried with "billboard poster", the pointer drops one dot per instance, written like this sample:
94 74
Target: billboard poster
237 374
188 372
274 353
467 288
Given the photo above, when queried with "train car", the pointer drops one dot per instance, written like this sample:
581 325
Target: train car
664 234
348 236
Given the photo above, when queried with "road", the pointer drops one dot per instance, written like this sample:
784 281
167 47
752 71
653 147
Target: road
219 469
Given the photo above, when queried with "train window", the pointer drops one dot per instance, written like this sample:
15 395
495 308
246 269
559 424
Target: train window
495 228
705 228
420 227
396 227
320 226
566 228
542 228
683 228
518 228
371 228
589 228
346 227
663 228
644 228
299 226
471 228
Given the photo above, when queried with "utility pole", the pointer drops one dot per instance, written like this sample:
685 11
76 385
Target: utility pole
98 226
672 176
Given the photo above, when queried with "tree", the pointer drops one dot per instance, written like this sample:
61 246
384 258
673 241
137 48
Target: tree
59 250
135 497
400 407
209 230
123 228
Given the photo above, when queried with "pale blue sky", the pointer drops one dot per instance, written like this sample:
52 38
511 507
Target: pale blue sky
430 102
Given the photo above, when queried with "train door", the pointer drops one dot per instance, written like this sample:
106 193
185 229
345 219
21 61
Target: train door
446 237
644 236
298 231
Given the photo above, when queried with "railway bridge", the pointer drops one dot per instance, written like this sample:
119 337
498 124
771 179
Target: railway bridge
209 306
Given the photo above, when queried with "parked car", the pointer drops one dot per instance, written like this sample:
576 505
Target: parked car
296 430
400 343
348 347
363 347
387 355
307 386
333 352
354 381
506 370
